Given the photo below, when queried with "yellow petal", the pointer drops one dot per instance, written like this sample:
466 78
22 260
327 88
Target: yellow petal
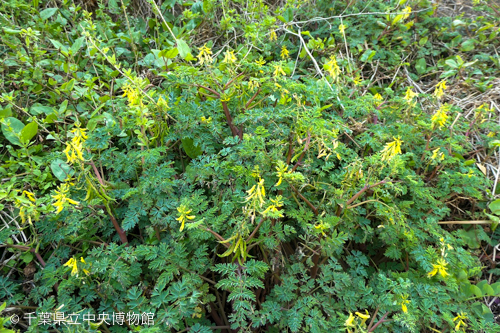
364 316
69 262
279 182
71 201
433 272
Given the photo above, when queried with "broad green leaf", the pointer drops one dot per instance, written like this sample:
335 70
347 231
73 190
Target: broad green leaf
37 109
6 112
495 206
190 149
468 45
452 63
61 169
368 55
77 45
421 66
474 290
170 54
47 13
423 40
28 132
183 48
27 257
11 128
63 106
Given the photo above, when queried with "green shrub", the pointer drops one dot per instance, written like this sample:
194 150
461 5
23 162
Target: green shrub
258 184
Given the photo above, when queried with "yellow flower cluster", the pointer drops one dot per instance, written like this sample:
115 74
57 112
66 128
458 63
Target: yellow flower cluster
332 67
276 203
229 57
273 36
74 148
342 28
460 321
73 264
281 169
437 155
183 215
260 62
285 54
205 55
350 321
404 302
392 149
409 96
27 209
257 193
252 84
278 70
206 120
439 267
61 197
378 99
440 88
407 12
133 95
440 117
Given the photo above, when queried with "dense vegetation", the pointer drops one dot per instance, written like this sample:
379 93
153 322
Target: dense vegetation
250 166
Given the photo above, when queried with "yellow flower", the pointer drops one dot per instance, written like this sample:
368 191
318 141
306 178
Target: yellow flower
284 53
252 84
342 28
364 317
183 215
260 62
321 227
72 263
62 199
350 320
440 268
378 99
273 36
276 203
436 154
229 57
460 317
278 70
407 12
257 193
30 195
131 93
74 149
162 103
403 304
357 80
392 149
332 67
491 134
440 87
281 170
440 117
205 54
205 120
409 96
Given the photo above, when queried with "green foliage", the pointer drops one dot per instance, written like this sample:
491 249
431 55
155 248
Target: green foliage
261 181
